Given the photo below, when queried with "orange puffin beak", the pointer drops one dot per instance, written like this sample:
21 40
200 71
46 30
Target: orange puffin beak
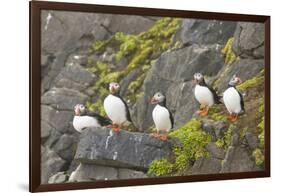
152 100
239 80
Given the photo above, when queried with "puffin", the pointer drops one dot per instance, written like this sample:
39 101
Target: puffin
83 119
116 108
204 94
162 117
233 99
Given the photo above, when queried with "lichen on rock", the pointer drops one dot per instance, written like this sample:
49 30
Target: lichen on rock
227 52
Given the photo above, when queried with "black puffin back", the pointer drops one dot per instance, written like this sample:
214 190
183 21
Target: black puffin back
241 100
103 121
163 104
241 97
128 116
215 95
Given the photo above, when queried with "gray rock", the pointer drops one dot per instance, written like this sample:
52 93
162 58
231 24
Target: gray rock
220 127
52 139
172 74
215 151
59 177
124 173
45 129
73 76
237 159
90 172
51 164
215 128
207 165
244 68
60 120
234 139
249 39
127 80
129 25
66 147
101 146
197 31
251 140
61 29
51 69
63 99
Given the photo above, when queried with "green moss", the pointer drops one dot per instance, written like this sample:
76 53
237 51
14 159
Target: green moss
99 45
261 108
137 49
160 167
226 139
193 141
261 139
220 142
261 135
258 156
177 45
216 113
254 82
227 52
192 147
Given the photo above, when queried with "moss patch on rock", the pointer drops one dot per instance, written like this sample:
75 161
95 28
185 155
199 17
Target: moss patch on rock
192 146
226 139
138 51
216 112
160 167
253 82
258 156
227 52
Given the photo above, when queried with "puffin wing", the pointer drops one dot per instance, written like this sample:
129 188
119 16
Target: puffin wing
241 101
128 116
216 97
172 119
102 120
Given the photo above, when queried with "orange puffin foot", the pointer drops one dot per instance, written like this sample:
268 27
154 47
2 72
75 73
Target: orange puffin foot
204 112
163 137
115 128
233 118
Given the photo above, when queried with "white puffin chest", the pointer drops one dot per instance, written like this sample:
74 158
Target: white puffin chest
203 95
81 122
115 109
232 100
161 118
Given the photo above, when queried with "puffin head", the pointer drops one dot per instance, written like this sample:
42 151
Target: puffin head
157 98
235 80
198 77
114 87
78 109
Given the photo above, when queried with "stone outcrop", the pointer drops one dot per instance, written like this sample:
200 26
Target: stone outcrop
101 146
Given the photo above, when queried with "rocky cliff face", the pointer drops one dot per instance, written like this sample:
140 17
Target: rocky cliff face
83 52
